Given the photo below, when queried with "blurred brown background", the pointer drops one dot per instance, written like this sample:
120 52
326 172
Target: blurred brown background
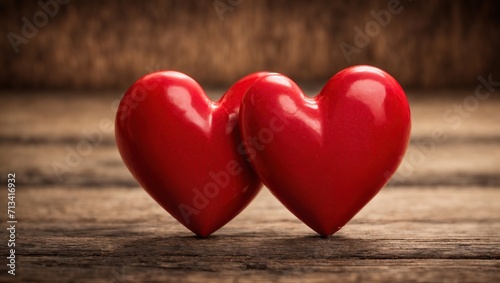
109 44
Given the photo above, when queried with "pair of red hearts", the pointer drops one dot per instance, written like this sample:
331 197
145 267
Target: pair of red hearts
324 158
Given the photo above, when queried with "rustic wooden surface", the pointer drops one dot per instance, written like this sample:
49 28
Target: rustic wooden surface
440 223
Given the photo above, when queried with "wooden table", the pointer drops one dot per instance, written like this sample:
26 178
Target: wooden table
437 221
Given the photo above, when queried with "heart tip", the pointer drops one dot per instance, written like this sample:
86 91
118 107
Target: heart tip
325 233
203 234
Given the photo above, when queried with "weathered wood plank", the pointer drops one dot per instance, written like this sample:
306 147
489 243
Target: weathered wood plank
455 165
420 204
459 165
56 117
33 137
411 235
255 270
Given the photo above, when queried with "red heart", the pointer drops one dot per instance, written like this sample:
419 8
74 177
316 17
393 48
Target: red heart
182 148
325 157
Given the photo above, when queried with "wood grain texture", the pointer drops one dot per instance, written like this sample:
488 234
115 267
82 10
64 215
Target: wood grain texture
120 235
440 223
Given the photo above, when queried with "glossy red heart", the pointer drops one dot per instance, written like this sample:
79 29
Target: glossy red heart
182 148
325 157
